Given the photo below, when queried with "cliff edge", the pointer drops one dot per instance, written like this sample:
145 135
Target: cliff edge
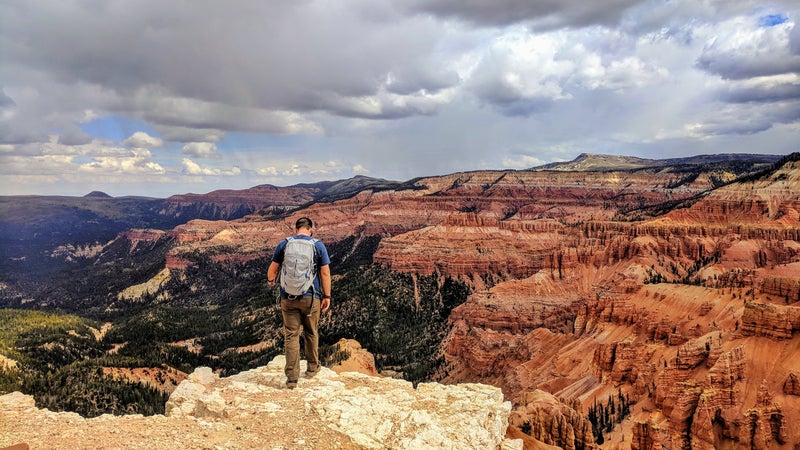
253 409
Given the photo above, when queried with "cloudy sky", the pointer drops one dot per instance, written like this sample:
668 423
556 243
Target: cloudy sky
153 97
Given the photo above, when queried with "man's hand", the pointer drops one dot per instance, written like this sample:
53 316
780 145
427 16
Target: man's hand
326 303
272 273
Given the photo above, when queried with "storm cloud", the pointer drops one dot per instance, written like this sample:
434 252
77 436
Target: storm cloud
196 95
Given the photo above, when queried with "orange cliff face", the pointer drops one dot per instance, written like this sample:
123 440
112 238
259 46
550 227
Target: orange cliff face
709 359
690 316
517 202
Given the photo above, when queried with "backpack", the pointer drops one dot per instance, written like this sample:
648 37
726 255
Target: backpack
299 266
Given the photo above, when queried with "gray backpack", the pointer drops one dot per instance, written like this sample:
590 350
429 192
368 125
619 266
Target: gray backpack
298 268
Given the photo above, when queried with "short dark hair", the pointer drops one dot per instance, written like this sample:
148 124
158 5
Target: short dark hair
303 222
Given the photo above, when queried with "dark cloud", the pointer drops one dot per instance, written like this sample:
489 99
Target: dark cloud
520 107
409 80
6 102
399 88
73 135
542 15
762 93
10 134
738 66
794 40
750 119
296 56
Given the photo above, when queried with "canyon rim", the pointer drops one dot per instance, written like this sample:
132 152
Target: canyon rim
640 305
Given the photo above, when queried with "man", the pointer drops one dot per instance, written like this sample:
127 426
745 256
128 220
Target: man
301 310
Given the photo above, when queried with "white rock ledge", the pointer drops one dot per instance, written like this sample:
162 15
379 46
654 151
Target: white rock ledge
374 412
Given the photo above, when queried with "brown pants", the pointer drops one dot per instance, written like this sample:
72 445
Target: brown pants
300 316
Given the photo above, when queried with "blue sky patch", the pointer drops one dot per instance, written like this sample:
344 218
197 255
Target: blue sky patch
116 128
770 20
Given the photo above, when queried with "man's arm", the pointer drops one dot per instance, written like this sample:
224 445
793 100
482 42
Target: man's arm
325 281
272 273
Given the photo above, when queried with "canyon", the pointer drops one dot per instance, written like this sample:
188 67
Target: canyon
637 306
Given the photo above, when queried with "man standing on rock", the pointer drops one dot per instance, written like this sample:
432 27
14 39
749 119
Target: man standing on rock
304 267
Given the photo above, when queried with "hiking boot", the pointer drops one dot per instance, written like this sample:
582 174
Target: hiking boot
311 374
291 384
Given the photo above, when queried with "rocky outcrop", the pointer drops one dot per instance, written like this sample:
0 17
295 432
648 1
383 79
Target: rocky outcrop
647 436
138 236
693 353
719 402
785 287
351 357
777 321
544 417
347 410
374 412
792 384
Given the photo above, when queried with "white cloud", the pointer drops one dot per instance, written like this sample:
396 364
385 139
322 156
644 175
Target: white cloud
619 74
133 163
138 164
294 170
358 168
520 161
741 48
267 171
521 73
201 149
140 139
192 168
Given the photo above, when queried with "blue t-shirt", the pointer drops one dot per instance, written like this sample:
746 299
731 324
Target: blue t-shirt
321 258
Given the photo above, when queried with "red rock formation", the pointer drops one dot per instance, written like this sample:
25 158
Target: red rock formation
792 384
688 311
782 281
355 358
762 319
552 422
647 436
699 411
135 237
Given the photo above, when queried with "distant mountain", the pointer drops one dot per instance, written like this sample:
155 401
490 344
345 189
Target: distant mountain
42 234
229 204
97 194
347 188
589 162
